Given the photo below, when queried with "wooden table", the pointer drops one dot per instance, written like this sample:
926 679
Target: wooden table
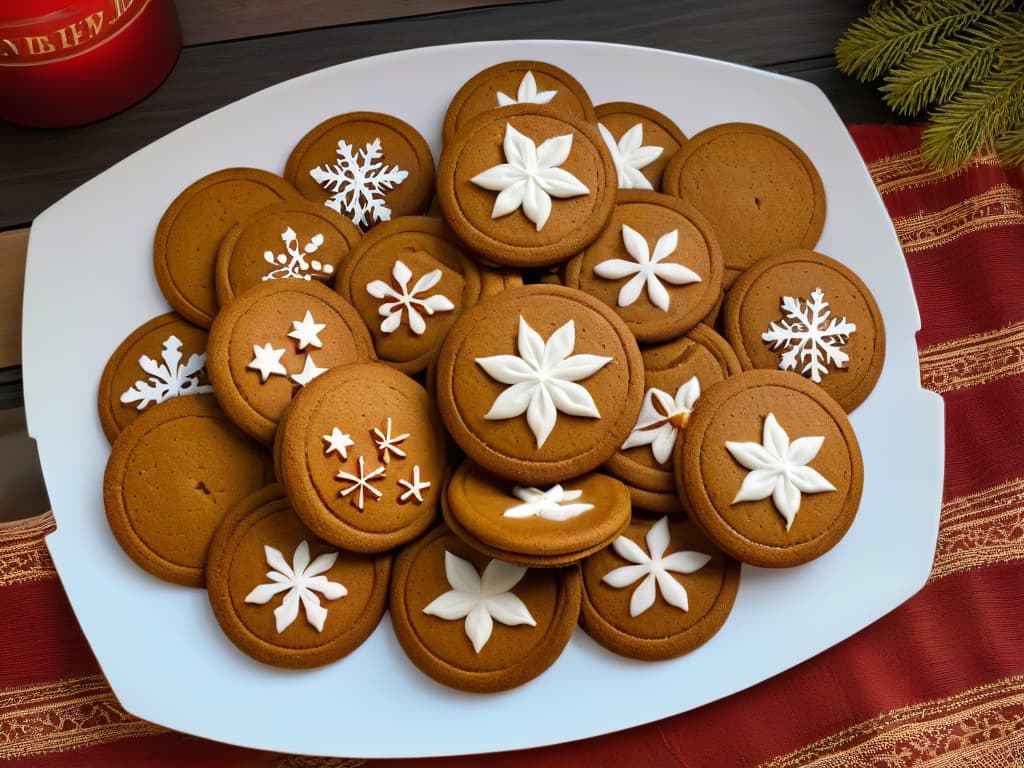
38 167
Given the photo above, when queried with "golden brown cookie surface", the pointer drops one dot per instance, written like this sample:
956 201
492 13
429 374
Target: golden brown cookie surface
641 140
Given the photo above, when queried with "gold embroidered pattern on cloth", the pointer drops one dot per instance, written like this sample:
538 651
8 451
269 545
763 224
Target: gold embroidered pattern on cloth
983 726
23 554
995 207
972 360
907 170
306 761
981 528
50 717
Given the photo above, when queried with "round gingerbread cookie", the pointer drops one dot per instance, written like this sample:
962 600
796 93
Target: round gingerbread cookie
661 590
657 264
517 82
273 340
641 140
172 476
525 525
540 383
297 239
190 232
286 597
162 358
362 456
675 374
367 166
770 468
758 189
475 623
805 312
526 186
409 279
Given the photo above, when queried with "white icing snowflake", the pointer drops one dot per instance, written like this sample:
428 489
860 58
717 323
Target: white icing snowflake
809 337
267 360
661 417
361 484
647 269
654 569
542 380
414 488
527 93
409 300
779 469
481 600
547 505
530 177
293 263
629 156
388 444
168 380
359 181
301 579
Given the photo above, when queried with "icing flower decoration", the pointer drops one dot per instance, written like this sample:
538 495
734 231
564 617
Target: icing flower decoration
630 156
647 268
411 300
661 417
547 505
527 93
778 468
530 177
299 580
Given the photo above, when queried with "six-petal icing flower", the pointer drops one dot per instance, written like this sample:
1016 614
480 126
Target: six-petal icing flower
647 269
661 417
630 156
547 505
530 177
778 468
527 93
542 379
481 599
301 579
654 569
408 299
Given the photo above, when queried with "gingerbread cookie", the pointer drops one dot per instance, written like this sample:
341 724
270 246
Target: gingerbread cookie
770 468
162 358
661 590
409 279
297 239
517 82
286 597
475 623
367 166
805 312
273 340
641 140
758 189
540 383
362 455
675 374
190 232
526 186
172 475
549 526
657 264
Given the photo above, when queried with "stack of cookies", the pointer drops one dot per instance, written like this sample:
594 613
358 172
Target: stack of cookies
575 373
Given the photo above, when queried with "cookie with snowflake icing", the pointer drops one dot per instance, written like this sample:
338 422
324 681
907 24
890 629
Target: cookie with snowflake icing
675 375
273 340
367 166
541 526
657 264
171 477
539 384
476 623
295 240
190 231
409 279
660 590
362 454
517 82
163 358
770 468
805 312
285 596
526 185
641 141
759 190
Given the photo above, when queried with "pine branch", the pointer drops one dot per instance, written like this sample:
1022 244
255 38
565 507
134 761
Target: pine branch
1010 147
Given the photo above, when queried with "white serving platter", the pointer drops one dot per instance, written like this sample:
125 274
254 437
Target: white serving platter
89 282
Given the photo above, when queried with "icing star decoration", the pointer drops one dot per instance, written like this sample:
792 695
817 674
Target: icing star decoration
647 268
267 361
530 177
414 488
338 442
306 331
